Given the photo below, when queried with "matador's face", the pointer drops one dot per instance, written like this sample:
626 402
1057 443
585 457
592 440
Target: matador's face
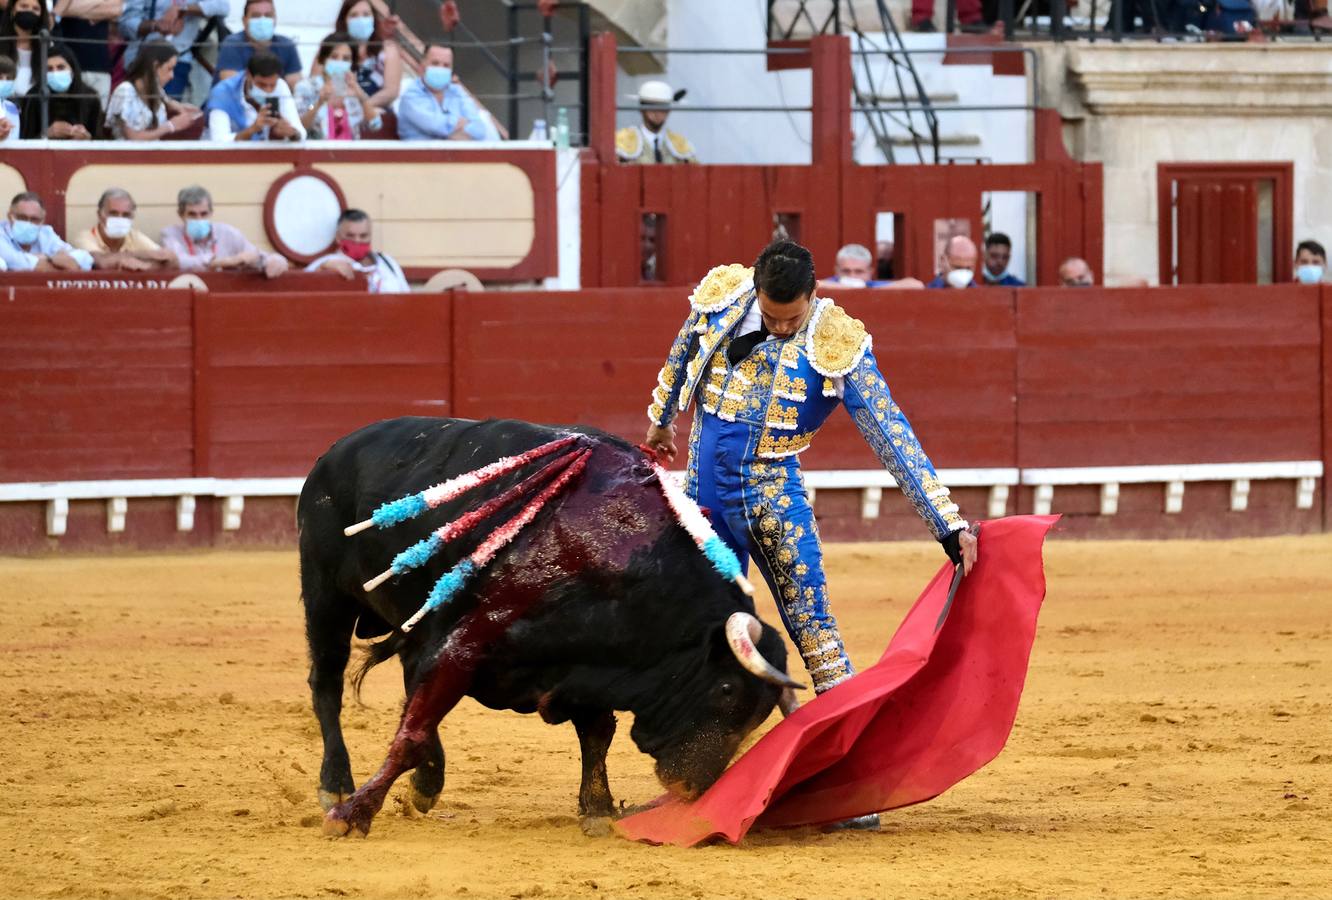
784 319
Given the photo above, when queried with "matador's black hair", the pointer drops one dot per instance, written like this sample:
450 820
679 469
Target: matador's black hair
784 271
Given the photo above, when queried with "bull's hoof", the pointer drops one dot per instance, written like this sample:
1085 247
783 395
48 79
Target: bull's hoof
337 825
328 799
595 826
424 803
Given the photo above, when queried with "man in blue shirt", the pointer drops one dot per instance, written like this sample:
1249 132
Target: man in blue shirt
260 20
959 264
177 21
998 254
437 107
28 244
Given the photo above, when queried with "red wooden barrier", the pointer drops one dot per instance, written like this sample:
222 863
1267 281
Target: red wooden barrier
1327 404
95 386
280 379
228 282
1168 375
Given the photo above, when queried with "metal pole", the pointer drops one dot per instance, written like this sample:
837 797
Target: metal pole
547 91
583 58
513 71
1117 20
950 16
1058 9
39 75
1006 16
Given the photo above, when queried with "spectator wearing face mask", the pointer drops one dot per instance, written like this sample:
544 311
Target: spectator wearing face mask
260 21
10 122
28 244
1074 272
438 107
177 21
20 22
998 254
115 243
355 256
376 59
254 105
73 111
1310 263
200 243
332 103
958 269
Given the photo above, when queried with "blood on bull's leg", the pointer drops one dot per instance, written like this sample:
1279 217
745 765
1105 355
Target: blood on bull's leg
446 681
596 730
428 779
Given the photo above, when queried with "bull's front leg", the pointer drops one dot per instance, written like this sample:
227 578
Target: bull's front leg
448 679
595 730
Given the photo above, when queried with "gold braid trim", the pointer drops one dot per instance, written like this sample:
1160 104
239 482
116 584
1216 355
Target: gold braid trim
628 143
835 341
721 287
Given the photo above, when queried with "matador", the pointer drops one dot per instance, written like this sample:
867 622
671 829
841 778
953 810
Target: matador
766 363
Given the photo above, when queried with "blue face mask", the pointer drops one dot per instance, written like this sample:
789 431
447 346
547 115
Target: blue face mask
261 28
24 232
1309 274
337 69
60 81
437 78
361 27
6 88
198 229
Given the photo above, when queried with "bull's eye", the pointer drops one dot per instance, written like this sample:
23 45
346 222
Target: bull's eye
727 689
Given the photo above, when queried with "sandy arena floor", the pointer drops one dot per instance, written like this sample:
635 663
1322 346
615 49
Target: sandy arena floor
1175 740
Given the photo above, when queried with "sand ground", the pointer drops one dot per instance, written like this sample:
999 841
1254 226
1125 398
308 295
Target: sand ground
1175 740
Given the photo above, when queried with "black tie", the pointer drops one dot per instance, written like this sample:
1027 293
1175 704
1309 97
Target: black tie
743 345
656 148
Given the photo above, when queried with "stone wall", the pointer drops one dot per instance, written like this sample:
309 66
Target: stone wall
1132 106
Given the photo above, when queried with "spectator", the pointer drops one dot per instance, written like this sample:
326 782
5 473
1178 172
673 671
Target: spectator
18 37
969 16
85 25
254 105
354 255
958 268
73 111
376 58
651 142
179 22
853 267
139 109
438 107
9 113
1074 272
200 243
115 243
332 103
28 244
998 254
1310 262
883 260
260 18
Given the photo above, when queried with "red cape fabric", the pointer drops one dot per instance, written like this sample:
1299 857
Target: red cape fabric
938 705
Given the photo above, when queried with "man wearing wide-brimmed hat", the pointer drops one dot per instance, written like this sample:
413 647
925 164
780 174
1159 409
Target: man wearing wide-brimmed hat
651 143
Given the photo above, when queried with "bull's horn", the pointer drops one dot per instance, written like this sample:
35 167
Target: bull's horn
742 630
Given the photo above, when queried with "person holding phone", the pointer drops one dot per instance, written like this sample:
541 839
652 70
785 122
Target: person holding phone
332 103
254 105
139 108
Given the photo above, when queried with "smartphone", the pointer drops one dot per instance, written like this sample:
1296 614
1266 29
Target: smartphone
272 104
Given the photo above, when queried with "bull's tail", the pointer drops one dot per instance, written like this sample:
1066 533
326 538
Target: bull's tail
376 653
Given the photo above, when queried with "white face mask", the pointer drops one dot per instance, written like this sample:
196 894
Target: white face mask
117 227
959 278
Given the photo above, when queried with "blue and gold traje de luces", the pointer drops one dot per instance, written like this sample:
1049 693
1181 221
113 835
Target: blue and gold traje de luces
752 421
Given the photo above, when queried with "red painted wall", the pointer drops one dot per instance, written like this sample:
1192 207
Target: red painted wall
156 384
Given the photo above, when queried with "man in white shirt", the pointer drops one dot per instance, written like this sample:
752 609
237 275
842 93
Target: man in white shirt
354 255
28 244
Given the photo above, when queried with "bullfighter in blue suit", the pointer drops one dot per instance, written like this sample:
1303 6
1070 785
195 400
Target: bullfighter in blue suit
766 363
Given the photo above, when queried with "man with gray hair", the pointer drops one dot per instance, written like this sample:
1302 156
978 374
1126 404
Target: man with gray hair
854 268
200 243
115 243
28 244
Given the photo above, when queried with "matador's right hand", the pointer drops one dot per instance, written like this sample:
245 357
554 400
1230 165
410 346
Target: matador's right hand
661 438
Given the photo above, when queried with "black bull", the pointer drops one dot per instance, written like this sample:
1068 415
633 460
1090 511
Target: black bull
603 603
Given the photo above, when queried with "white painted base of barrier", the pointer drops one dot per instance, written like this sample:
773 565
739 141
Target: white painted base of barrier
870 483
